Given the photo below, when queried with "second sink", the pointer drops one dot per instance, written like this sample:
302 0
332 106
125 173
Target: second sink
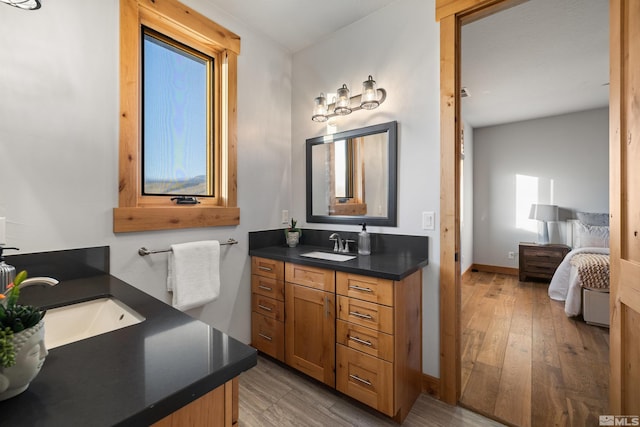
75 322
328 256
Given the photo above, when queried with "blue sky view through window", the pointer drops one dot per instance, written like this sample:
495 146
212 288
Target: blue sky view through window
175 120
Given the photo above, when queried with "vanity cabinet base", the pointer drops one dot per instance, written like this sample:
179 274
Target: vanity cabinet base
217 408
359 334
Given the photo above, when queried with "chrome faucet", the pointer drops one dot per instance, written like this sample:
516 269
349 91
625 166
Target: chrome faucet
38 281
339 246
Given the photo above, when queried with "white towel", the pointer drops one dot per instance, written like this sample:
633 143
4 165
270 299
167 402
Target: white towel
194 273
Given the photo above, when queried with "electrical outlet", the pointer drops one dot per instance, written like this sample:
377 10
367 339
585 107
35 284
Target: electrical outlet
512 255
285 216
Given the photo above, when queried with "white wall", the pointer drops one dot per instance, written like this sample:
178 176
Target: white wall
466 208
399 47
59 138
569 156
59 146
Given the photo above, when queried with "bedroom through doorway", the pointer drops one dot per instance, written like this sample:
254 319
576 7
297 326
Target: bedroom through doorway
523 360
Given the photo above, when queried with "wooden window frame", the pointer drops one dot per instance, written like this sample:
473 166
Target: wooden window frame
136 212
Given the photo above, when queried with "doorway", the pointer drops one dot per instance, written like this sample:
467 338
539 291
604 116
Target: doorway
450 208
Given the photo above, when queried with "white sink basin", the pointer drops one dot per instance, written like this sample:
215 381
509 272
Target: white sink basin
328 256
83 320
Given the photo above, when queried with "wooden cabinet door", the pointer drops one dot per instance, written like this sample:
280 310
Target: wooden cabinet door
624 127
310 332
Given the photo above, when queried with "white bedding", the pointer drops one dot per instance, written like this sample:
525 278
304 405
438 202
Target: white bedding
565 284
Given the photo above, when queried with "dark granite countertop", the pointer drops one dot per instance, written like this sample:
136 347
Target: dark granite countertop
133 376
393 256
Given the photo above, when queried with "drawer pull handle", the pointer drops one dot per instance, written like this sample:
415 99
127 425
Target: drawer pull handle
266 337
266 288
358 340
360 315
357 378
265 268
264 307
360 288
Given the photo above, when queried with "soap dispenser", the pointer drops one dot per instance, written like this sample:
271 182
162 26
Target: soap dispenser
7 272
364 241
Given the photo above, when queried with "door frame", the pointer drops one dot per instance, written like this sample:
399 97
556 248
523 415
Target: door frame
452 14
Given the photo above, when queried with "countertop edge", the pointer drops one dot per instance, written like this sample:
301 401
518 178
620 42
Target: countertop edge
374 269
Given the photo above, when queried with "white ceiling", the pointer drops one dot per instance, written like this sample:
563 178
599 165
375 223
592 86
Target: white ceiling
296 24
537 59
540 58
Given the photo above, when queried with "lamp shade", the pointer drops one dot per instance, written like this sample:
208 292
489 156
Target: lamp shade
543 212
369 99
320 109
343 101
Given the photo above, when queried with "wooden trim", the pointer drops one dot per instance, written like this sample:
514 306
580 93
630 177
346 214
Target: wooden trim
129 105
168 218
431 385
136 212
495 269
230 146
182 17
449 212
446 8
616 143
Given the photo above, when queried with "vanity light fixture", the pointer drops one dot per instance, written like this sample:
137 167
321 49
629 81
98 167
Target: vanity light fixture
24 4
370 98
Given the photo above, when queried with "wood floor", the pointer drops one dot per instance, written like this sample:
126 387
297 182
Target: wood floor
525 362
273 395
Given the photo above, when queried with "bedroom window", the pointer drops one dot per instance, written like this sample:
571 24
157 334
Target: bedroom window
178 101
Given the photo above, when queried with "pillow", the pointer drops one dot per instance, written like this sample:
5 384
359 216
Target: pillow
601 219
592 236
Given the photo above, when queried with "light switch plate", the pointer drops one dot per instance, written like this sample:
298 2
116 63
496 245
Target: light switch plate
429 220
285 216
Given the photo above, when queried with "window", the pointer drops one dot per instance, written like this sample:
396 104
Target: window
178 78
177 148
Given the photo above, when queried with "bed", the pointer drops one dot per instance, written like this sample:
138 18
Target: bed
582 278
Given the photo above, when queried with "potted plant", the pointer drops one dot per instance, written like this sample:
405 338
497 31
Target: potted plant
292 233
22 350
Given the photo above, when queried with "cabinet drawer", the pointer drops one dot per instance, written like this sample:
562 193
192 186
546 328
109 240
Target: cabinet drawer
549 253
542 256
267 268
363 313
318 278
365 288
268 306
365 378
267 335
268 287
366 340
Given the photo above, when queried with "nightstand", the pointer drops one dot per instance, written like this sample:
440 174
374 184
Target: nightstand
540 261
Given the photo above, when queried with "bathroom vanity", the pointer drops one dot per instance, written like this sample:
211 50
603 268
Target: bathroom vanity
355 325
165 369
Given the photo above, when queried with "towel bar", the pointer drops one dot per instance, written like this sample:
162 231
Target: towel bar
144 251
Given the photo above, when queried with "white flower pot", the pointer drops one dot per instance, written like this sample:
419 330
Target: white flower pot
293 238
30 355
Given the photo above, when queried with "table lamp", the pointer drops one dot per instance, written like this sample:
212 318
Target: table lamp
543 213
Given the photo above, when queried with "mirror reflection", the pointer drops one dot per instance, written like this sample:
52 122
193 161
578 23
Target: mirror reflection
351 176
